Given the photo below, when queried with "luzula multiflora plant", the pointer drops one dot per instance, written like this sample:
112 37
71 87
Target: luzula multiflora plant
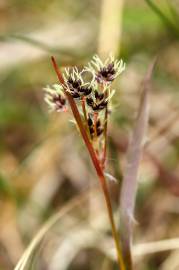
88 93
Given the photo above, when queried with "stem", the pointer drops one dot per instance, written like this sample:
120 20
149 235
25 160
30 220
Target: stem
95 124
105 137
85 114
84 108
96 164
105 130
95 134
113 226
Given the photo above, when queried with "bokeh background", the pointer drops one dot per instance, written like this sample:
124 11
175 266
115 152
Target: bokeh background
45 172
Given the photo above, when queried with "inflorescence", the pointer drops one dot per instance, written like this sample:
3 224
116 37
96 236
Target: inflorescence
91 96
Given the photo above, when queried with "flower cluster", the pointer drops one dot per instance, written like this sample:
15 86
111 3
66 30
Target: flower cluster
98 101
75 85
106 72
91 96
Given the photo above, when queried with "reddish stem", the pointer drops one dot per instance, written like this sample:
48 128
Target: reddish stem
79 121
95 124
83 100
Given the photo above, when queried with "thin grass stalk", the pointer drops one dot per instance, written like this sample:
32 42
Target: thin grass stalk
97 166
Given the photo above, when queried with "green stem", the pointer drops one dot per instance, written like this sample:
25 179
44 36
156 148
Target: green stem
96 164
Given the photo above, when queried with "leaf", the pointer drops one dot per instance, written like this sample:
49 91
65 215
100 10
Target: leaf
168 23
129 184
32 248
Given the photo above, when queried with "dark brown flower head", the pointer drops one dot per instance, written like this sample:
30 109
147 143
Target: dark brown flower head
91 125
55 98
107 71
75 84
106 74
86 90
90 122
98 102
92 82
59 102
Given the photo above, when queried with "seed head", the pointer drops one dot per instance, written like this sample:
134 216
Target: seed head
55 98
105 72
98 101
99 128
75 85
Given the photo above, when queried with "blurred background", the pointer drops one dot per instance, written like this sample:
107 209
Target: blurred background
45 172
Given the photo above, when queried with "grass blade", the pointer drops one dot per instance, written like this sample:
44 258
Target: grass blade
129 184
172 28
